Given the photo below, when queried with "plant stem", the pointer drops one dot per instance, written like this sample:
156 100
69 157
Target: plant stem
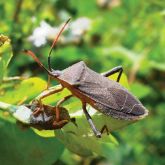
7 107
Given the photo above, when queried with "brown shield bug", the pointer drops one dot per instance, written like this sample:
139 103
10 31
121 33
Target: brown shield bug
105 95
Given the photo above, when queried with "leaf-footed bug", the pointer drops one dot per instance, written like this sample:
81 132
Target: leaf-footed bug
105 95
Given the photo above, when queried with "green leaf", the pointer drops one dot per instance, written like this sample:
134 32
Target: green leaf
44 133
81 136
5 55
79 139
26 90
85 145
140 90
26 147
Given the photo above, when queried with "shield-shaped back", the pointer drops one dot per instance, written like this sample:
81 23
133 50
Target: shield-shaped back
109 96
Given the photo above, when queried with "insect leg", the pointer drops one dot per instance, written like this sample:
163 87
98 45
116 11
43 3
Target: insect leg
60 124
49 92
44 94
96 132
73 120
113 71
105 128
48 83
37 112
36 107
57 108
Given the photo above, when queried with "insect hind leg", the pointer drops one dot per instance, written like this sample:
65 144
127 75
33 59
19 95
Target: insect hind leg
105 128
118 69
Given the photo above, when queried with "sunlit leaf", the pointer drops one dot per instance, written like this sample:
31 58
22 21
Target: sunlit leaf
24 91
44 133
5 55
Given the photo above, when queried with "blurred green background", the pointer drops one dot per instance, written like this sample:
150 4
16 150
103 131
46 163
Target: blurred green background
109 33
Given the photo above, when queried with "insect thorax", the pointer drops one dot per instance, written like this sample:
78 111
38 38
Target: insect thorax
73 73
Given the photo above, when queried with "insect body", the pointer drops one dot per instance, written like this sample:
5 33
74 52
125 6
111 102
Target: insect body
105 95
45 119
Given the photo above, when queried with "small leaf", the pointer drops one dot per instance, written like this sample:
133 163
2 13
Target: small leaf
5 55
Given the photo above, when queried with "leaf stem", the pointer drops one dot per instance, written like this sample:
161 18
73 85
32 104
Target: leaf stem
7 107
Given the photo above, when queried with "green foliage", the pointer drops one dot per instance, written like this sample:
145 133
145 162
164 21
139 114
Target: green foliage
72 136
130 34
79 140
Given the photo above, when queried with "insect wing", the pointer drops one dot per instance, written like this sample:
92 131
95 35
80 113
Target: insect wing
110 97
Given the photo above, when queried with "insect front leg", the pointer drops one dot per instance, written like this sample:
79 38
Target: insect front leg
113 71
89 119
49 92
44 94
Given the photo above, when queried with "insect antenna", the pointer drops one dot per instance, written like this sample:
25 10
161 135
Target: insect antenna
30 53
54 43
